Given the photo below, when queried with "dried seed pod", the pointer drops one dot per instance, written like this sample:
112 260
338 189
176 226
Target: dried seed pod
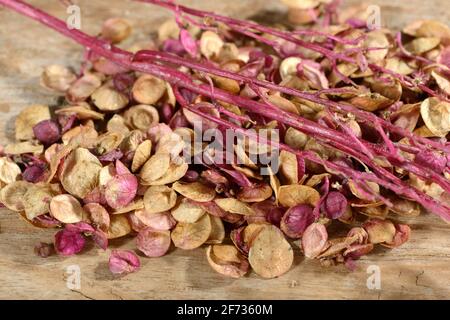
314 240
97 215
398 66
217 231
153 243
436 115
401 236
376 39
47 132
187 212
80 172
296 220
116 30
256 193
270 255
301 4
442 81
28 118
421 45
66 209
117 124
159 199
83 87
56 77
168 30
405 208
123 262
24 147
174 173
156 167
107 98
380 231
121 190
12 195
210 44
9 170
36 200
234 206
295 139
80 136
148 89
371 101
195 191
141 155
68 243
141 117
294 194
288 67
288 168
119 226
226 260
335 205
189 236
157 221
428 28
363 194
136 204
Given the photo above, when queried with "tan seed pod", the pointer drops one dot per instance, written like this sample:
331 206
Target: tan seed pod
108 142
210 44
294 194
141 155
187 212
81 136
226 260
83 87
66 209
371 102
399 66
380 231
80 172
314 240
429 28
442 82
256 193
12 195
270 255
37 199
116 29
301 4
234 206
28 118
405 208
141 117
288 170
97 215
119 227
355 190
106 98
295 139
155 168
9 170
174 173
117 124
148 89
82 112
132 141
421 45
159 199
24 147
376 39
195 191
274 184
106 174
58 78
136 204
436 115
168 30
288 67
157 221
189 236
217 231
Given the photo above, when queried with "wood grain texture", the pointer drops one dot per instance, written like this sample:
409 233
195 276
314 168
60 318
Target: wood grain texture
417 270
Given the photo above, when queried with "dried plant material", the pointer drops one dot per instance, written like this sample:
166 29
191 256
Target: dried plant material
376 39
217 234
314 240
294 194
155 168
195 191
421 45
57 77
288 67
288 170
189 236
436 115
256 193
295 139
66 209
402 234
174 173
141 155
119 226
80 172
380 231
301 4
371 102
98 216
442 81
121 190
44 250
210 44
153 243
270 255
12 195
365 193
282 103
380 211
68 243
168 30
428 28
316 179
405 208
108 142
159 199
36 200
123 262
9 170
28 118
335 205
47 132
157 221
81 112
106 98
234 206
148 89
141 117
398 66
24 147
116 29
83 87
187 212
136 204
117 124
296 220
226 260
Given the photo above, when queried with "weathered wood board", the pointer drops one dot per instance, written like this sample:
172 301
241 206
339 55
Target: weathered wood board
418 270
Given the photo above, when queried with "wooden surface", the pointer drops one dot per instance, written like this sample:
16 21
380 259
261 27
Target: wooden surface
418 270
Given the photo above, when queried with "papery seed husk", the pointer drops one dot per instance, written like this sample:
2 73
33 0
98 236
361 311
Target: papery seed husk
294 194
234 206
28 118
217 231
141 117
106 98
9 170
57 77
141 155
189 236
156 167
174 173
97 215
195 191
66 209
226 260
36 200
12 195
148 89
159 199
436 115
187 212
153 243
119 226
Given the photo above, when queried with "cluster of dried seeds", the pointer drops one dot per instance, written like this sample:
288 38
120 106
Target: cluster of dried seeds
363 117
